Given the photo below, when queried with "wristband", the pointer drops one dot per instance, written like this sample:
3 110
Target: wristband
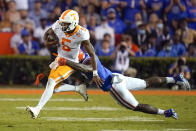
95 73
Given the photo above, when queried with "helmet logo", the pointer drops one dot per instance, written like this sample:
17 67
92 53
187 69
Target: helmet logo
74 15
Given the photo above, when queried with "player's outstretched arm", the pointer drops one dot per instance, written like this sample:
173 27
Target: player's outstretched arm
50 38
76 66
79 66
90 50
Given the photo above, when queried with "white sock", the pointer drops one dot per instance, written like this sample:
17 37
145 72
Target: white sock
170 80
160 112
47 93
66 87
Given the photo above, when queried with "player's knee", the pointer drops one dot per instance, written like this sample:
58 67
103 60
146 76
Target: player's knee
51 83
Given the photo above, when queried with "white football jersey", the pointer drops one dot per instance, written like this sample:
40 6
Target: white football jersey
70 43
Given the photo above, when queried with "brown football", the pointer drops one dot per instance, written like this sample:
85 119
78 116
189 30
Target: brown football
52 37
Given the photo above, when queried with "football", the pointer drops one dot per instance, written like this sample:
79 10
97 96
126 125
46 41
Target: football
52 37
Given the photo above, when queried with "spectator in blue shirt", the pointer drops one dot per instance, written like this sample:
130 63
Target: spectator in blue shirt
117 24
106 49
28 46
133 6
142 51
191 15
167 50
156 6
49 5
174 9
152 45
37 13
104 7
179 47
67 4
106 37
118 5
137 18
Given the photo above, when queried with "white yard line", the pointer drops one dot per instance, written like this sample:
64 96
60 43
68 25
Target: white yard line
129 130
173 129
77 108
33 99
94 119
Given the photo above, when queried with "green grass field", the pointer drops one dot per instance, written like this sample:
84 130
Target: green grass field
100 113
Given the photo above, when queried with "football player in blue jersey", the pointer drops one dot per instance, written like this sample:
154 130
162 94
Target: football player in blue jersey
118 85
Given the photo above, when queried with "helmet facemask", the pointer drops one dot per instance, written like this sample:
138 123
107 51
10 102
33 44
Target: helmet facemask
68 20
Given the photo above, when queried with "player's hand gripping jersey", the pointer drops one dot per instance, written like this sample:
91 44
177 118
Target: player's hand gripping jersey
70 43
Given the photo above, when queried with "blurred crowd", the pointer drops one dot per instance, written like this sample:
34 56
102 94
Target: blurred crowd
118 28
163 28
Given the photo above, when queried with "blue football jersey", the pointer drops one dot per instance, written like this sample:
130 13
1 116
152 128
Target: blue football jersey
104 73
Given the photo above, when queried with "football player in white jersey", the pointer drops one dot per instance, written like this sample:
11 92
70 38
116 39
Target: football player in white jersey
68 36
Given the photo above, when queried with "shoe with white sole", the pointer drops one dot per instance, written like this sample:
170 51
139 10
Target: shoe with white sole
171 113
33 111
82 91
180 80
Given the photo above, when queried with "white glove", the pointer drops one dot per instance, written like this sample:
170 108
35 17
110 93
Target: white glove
54 64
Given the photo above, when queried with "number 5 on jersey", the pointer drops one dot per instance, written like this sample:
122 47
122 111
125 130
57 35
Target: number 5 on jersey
66 47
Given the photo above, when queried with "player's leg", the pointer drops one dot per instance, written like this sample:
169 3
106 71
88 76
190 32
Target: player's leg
179 79
55 77
65 88
81 89
145 108
156 81
122 95
139 84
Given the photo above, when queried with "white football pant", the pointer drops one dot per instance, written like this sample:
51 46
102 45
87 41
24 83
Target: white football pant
120 90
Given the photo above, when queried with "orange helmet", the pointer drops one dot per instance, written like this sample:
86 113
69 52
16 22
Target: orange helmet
81 55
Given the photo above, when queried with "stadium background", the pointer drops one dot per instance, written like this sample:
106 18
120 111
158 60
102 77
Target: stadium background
155 33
